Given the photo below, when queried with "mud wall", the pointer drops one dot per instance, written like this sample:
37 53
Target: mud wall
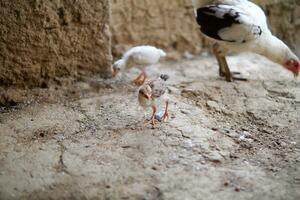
170 23
284 19
44 40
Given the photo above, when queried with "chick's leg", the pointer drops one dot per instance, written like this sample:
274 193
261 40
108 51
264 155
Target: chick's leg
152 120
166 114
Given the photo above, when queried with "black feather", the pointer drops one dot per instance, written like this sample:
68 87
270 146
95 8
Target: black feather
164 77
211 24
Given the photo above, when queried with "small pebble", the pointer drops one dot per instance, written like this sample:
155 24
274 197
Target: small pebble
186 112
188 55
247 134
215 157
159 116
214 129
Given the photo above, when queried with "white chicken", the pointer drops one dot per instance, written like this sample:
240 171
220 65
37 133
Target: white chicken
240 26
139 56
152 94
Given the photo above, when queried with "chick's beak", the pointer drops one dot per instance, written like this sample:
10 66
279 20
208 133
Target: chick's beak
147 96
114 72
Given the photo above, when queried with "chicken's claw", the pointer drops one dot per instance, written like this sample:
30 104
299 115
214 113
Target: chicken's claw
152 121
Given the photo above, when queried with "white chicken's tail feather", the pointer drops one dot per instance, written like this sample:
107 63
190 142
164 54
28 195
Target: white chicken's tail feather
162 53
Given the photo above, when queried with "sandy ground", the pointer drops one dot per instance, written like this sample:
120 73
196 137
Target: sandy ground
237 140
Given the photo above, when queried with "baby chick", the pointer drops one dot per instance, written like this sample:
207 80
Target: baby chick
151 94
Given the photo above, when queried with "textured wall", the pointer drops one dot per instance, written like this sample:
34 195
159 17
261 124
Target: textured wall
167 23
284 18
170 23
41 39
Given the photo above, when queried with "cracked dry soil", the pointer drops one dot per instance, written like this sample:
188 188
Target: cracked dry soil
237 140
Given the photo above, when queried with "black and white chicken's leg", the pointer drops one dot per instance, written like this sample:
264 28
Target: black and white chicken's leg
224 70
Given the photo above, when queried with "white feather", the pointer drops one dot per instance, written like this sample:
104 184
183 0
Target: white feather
140 56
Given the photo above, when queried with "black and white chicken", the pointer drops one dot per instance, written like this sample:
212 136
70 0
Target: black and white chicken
241 26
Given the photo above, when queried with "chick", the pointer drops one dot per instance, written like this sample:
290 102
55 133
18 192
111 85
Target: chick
151 94
139 57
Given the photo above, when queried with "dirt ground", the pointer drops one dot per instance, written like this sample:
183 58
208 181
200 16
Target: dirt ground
237 140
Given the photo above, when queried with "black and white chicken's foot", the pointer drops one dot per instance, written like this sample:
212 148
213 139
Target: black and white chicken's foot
224 70
232 73
238 76
234 76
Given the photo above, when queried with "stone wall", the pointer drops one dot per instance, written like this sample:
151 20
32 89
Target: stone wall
44 40
170 24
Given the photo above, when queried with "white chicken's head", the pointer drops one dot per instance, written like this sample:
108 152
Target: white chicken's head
293 65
